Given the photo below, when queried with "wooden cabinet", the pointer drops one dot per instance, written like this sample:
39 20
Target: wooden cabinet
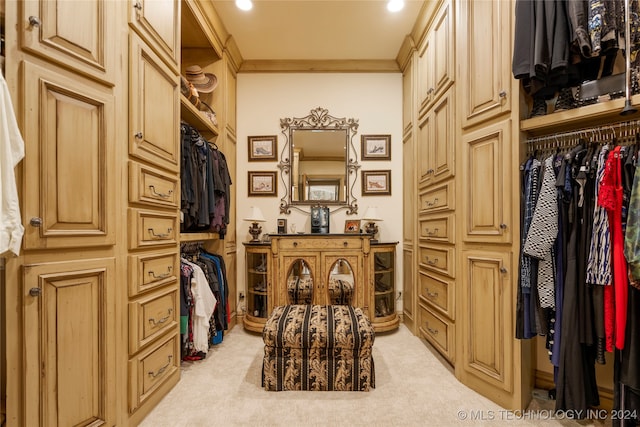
436 56
435 142
153 196
154 108
70 336
73 34
485 81
321 269
158 22
488 183
72 123
487 301
382 266
259 285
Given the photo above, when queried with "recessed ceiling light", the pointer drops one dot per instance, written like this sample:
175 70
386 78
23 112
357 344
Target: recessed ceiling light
244 4
395 5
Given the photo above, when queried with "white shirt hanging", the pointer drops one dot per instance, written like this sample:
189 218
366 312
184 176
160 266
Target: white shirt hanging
11 152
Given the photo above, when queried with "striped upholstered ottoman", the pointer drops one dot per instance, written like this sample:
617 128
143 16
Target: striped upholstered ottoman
318 347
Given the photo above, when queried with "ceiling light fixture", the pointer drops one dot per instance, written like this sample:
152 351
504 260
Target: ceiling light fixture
395 5
244 4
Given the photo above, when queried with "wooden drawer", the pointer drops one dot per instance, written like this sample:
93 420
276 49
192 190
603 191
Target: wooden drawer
437 258
151 316
149 271
151 228
437 198
320 243
438 331
438 228
438 292
152 368
153 187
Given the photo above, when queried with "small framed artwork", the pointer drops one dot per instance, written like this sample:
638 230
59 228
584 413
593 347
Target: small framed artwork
376 183
352 226
263 148
376 147
262 184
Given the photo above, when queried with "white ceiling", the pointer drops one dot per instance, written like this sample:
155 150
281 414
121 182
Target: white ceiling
318 29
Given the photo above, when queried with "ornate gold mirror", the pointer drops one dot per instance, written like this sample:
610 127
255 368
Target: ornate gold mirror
318 162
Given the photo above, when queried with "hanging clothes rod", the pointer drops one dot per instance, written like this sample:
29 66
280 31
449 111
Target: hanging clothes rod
622 133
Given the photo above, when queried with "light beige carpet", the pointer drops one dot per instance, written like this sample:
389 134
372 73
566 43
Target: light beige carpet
413 388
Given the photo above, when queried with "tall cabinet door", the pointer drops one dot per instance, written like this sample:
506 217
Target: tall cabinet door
487 326
486 78
69 160
487 184
70 337
72 33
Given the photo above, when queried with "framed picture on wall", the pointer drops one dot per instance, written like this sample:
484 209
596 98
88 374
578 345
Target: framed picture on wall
263 148
262 184
376 183
376 147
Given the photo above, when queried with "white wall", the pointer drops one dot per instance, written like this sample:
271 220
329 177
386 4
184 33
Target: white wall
374 99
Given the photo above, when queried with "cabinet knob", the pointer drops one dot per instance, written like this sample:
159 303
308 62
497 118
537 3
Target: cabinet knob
345 244
137 5
34 21
502 94
35 292
295 244
503 226
429 204
36 222
503 270
138 135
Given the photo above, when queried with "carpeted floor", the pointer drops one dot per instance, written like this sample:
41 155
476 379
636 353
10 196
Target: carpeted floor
413 388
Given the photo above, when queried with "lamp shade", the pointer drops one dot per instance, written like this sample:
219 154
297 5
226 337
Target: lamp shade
255 215
372 214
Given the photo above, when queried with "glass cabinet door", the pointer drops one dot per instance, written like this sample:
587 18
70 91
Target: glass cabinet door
299 283
257 274
341 283
384 286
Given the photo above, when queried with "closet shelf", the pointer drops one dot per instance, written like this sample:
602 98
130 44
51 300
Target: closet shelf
588 116
195 118
198 39
194 237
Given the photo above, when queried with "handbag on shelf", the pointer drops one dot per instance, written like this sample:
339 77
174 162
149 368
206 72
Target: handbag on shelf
602 89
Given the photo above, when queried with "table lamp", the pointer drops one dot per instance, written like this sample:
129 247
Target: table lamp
371 216
255 216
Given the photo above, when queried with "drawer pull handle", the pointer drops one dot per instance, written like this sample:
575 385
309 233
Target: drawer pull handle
432 203
345 244
431 261
161 276
295 244
34 21
431 330
161 370
163 195
432 295
155 322
431 233
161 235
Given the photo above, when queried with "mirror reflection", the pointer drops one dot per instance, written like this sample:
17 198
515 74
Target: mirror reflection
299 283
341 283
318 163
